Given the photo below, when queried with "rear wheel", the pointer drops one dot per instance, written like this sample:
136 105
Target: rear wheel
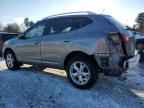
11 61
141 52
81 72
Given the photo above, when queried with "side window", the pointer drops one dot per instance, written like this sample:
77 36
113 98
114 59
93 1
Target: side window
81 22
60 25
36 30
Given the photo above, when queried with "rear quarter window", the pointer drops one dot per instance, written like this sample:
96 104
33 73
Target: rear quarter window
115 22
82 22
60 25
120 26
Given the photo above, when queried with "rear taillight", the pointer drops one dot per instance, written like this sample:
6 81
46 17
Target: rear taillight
127 44
125 38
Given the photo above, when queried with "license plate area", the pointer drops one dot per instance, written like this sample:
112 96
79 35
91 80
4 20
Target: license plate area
114 43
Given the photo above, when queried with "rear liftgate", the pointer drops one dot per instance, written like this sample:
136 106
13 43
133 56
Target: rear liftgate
112 53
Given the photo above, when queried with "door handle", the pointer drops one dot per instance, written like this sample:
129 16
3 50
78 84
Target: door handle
35 43
66 41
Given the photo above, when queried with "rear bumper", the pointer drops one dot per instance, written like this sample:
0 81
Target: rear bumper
119 67
132 62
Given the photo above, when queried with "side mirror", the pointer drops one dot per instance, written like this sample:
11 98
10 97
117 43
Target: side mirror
21 36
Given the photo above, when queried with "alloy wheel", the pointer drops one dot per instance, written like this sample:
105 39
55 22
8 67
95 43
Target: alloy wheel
79 73
10 60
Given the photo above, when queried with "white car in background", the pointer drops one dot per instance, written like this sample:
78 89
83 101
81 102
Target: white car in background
140 44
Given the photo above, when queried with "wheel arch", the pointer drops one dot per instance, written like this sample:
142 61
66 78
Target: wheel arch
7 49
79 53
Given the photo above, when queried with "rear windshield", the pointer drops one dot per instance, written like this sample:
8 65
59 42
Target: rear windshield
6 37
116 22
119 25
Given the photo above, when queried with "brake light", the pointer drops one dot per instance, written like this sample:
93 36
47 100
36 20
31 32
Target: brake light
125 38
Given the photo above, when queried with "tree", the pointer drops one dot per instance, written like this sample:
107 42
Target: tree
140 22
13 28
31 23
27 22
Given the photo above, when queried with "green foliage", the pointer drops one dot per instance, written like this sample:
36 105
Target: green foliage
15 28
28 23
31 23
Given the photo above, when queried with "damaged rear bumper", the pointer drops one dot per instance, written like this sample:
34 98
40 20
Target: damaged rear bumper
118 66
126 63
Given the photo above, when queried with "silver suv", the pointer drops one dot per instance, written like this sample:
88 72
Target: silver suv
82 43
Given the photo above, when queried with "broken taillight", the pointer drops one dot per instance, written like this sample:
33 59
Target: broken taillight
125 38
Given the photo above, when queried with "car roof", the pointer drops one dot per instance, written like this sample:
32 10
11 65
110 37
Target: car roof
70 14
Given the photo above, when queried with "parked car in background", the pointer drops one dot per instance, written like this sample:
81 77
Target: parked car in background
82 43
140 44
4 36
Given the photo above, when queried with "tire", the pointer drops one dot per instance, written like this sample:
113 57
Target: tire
141 52
11 62
84 77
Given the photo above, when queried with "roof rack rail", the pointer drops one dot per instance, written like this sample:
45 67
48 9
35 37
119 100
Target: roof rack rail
88 12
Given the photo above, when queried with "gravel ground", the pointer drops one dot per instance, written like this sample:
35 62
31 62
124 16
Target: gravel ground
33 87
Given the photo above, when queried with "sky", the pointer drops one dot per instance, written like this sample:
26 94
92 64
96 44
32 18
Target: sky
124 11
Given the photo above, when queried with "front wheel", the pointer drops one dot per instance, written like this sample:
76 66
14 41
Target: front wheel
81 72
11 61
